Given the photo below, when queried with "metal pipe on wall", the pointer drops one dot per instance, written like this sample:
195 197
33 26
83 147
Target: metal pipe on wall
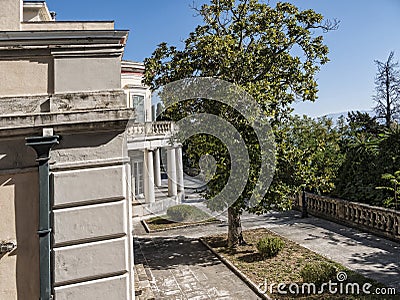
42 145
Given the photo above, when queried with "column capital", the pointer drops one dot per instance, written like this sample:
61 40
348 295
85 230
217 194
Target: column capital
175 146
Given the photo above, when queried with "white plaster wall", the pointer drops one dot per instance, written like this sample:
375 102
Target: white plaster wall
88 148
131 79
65 25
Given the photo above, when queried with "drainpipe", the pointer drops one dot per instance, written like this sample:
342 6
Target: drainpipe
42 146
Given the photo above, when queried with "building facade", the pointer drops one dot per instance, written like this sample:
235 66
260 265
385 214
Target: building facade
152 152
77 127
60 84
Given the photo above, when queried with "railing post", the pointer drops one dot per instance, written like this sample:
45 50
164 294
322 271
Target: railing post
340 209
304 212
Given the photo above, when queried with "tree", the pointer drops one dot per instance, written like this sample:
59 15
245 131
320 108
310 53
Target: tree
370 150
357 176
387 86
310 154
359 144
393 188
252 45
360 122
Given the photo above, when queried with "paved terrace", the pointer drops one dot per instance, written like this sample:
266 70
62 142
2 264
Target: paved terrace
179 254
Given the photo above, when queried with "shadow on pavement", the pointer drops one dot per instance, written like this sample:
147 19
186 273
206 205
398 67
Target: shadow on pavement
168 253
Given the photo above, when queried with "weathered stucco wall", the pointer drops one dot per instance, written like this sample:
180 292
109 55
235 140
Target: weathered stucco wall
19 270
65 25
87 74
92 249
25 76
37 76
10 15
68 81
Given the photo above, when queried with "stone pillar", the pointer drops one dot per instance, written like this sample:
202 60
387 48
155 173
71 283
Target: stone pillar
179 169
171 168
148 176
157 167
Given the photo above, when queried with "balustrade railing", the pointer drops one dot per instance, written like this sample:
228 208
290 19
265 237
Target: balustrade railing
151 128
382 221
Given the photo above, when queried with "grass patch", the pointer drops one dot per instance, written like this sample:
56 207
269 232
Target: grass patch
180 216
285 267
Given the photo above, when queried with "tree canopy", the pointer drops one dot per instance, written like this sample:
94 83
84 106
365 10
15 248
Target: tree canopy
273 53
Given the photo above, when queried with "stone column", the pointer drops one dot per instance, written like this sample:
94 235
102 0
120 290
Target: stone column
171 169
148 176
179 169
157 167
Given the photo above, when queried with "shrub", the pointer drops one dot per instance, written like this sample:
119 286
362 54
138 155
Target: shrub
318 272
186 213
270 246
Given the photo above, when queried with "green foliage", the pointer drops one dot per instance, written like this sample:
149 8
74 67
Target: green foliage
318 273
393 188
273 53
250 44
308 157
270 246
309 154
357 176
370 151
186 213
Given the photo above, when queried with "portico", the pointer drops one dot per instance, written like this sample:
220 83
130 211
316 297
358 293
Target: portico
153 158
156 161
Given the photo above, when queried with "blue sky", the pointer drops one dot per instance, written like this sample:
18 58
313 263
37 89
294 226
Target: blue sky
369 30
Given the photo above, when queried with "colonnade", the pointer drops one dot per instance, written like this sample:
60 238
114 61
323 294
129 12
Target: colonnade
152 172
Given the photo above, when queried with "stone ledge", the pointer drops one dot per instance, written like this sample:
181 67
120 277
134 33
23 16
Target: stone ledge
67 25
63 102
88 164
61 122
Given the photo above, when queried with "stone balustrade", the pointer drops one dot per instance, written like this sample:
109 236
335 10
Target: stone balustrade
378 220
151 128
163 127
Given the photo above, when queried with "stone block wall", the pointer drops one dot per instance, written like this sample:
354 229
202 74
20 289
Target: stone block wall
92 246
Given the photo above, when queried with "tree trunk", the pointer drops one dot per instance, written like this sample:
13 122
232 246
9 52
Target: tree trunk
235 236
388 106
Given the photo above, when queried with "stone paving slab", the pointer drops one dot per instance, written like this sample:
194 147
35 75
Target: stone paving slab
374 257
182 268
